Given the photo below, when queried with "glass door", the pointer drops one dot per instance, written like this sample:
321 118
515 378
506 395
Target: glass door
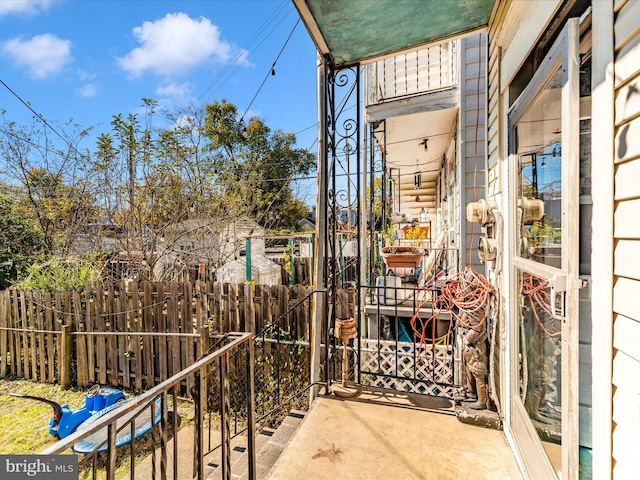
544 165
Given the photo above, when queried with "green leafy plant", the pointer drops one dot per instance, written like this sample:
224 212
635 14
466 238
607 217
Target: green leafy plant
55 275
389 237
542 234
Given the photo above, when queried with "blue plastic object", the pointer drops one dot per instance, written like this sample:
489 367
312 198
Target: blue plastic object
97 399
99 439
65 421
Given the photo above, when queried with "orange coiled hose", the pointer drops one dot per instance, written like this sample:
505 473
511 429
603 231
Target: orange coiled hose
466 296
536 290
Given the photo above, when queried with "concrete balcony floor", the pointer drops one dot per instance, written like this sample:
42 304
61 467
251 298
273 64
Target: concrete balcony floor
383 434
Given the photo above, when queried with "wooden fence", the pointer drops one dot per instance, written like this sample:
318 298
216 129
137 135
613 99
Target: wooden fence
134 337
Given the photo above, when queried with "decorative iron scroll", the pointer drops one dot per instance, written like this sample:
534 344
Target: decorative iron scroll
343 172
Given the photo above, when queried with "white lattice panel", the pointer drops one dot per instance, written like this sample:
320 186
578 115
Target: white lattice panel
382 356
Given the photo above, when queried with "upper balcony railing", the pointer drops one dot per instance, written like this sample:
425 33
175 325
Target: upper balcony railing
413 73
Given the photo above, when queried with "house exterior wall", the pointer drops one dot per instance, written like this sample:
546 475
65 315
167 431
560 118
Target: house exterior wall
472 173
515 30
626 239
615 280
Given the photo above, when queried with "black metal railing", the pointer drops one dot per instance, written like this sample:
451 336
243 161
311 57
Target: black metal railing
179 429
407 336
407 340
281 374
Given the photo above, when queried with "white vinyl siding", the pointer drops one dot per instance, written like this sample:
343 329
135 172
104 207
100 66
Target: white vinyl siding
473 81
626 290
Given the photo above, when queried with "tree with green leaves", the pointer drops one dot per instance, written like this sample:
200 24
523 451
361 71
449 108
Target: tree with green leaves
21 242
255 167
47 180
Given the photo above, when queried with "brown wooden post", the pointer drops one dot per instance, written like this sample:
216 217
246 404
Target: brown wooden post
203 345
65 357
249 310
16 366
136 324
4 310
73 303
147 322
51 340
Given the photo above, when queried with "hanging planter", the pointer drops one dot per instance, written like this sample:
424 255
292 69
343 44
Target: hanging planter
402 256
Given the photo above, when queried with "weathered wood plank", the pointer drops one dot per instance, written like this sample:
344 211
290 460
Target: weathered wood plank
101 320
17 336
75 307
61 316
136 346
52 346
161 326
249 310
32 323
233 308
25 335
90 300
218 308
112 340
11 361
241 307
173 325
38 304
285 306
276 304
4 348
147 322
122 325
258 310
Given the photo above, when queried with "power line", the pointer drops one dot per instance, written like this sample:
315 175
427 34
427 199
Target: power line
42 119
238 56
271 70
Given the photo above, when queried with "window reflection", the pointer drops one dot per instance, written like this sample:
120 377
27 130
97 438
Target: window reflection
540 357
539 149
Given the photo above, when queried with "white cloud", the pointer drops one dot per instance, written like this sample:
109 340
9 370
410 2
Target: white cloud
29 7
42 55
174 45
85 76
174 90
88 90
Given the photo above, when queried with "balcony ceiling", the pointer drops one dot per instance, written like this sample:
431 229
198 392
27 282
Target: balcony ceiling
406 153
358 31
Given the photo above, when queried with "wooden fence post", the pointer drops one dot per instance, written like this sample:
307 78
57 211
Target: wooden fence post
65 357
4 334
204 341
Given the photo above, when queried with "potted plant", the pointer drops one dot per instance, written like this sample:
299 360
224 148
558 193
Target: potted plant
403 256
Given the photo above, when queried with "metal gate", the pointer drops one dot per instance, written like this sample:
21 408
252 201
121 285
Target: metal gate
403 342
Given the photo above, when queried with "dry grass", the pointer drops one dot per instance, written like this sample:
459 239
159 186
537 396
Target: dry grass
24 423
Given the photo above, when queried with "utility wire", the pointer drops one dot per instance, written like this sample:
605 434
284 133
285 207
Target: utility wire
234 64
271 70
42 119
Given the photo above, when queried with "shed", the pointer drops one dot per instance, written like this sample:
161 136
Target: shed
263 271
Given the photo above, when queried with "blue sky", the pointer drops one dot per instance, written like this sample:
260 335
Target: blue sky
87 60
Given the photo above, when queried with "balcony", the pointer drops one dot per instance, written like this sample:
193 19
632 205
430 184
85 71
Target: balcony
414 73
385 435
